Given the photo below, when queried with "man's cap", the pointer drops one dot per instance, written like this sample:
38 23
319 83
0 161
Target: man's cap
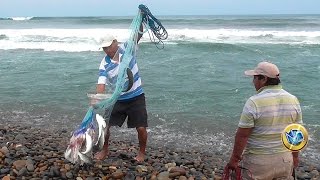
107 41
264 68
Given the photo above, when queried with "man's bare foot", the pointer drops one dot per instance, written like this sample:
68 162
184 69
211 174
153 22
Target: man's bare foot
140 157
101 155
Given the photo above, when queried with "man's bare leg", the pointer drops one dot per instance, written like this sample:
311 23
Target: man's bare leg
142 136
101 155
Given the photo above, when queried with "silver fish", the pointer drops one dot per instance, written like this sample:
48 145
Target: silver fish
102 139
101 125
89 143
67 154
84 158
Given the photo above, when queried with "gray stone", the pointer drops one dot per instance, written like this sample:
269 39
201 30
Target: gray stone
163 176
8 161
90 178
314 173
4 171
141 168
129 176
45 178
182 178
4 149
23 171
20 138
69 175
30 167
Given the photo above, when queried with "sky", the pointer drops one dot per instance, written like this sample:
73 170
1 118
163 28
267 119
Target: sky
58 8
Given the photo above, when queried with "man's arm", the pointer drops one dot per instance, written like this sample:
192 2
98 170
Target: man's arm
295 156
101 88
102 79
240 143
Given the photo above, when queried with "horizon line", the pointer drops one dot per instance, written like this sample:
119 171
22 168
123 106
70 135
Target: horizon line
274 14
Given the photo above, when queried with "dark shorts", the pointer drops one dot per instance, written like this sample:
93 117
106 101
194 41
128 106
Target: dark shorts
134 109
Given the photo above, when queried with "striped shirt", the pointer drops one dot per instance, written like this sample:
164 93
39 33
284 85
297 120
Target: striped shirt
268 113
108 72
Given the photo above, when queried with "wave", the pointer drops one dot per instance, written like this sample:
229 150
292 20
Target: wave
17 18
87 20
89 39
245 21
2 36
75 20
282 21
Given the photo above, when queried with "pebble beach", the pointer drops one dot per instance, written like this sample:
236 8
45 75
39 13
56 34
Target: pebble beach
28 152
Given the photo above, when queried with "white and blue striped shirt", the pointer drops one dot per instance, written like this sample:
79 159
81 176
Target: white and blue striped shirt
109 70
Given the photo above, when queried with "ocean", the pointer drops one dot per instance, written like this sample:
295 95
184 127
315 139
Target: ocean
195 87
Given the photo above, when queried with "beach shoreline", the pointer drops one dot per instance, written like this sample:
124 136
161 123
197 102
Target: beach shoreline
28 152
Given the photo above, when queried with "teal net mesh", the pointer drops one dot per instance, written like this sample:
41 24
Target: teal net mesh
130 51
79 135
85 134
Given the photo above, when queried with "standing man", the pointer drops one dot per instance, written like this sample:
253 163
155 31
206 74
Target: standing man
264 117
131 104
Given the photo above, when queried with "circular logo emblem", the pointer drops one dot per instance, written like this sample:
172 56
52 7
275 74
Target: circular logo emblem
294 137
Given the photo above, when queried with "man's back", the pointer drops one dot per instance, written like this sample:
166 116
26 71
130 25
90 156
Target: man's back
269 112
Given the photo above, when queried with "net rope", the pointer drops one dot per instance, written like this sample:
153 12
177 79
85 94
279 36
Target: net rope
88 124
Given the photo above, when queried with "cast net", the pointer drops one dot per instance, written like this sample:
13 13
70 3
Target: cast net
85 135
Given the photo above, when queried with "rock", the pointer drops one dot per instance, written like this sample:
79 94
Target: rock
153 177
19 164
90 178
174 175
163 176
139 178
4 170
168 165
314 173
30 167
69 175
141 168
23 171
8 161
45 178
44 153
129 176
4 150
6 177
20 138
112 168
55 171
181 171
182 178
15 172
43 168
117 175
67 167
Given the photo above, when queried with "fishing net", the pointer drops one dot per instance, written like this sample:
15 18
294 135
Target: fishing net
86 131
120 85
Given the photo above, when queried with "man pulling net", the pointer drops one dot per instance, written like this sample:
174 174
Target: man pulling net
119 74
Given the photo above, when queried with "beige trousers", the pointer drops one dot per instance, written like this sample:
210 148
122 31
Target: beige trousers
268 167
